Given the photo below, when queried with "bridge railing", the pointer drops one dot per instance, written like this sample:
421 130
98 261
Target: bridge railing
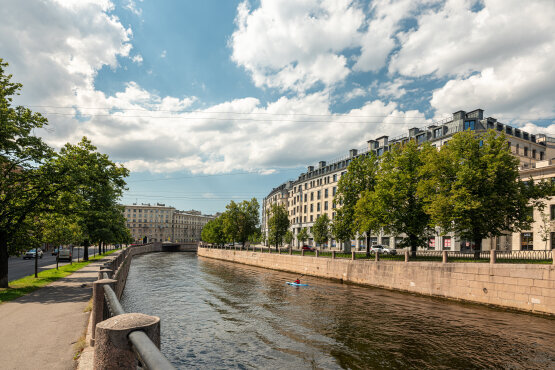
120 339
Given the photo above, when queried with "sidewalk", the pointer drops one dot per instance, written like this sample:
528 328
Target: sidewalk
39 330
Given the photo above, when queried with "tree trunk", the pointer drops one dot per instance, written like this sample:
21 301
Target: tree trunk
99 248
36 262
477 247
86 250
413 245
3 259
368 244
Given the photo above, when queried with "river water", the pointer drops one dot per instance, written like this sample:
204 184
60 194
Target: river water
220 315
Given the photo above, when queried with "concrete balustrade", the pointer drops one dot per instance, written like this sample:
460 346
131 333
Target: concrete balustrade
113 349
98 303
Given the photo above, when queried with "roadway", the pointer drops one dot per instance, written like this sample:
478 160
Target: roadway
18 267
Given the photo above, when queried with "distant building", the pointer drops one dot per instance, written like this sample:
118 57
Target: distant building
163 223
312 193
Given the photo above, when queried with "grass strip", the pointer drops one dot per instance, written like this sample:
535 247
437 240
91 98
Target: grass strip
28 284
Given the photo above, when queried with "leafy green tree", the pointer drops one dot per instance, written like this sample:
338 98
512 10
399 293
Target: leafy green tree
28 186
321 229
278 224
395 204
360 177
288 238
474 190
231 221
302 236
213 232
241 220
99 183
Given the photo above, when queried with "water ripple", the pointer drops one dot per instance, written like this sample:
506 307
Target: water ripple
221 315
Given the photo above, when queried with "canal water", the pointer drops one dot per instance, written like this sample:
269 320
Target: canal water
221 315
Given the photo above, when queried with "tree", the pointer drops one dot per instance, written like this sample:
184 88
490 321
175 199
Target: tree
302 236
395 204
545 227
360 177
27 185
288 238
99 183
474 190
241 221
213 232
278 224
321 229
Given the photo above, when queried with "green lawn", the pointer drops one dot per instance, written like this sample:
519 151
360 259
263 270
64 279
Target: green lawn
26 285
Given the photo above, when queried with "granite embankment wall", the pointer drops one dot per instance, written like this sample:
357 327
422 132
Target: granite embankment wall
121 262
526 287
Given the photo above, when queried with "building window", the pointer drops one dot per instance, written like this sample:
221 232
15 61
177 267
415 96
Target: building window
437 132
333 205
446 243
432 243
517 149
553 211
334 190
525 151
526 241
311 195
312 208
305 208
542 156
469 125
385 241
552 240
318 194
317 207
335 178
398 241
534 153
311 218
325 193
325 206
373 240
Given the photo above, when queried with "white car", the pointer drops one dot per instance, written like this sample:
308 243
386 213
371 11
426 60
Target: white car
64 254
382 249
31 253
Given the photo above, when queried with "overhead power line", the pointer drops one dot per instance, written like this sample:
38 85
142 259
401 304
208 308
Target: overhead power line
215 175
181 111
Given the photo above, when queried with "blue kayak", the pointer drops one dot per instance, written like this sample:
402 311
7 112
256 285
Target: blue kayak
295 284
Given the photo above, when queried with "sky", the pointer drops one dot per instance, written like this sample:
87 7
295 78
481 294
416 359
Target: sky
218 100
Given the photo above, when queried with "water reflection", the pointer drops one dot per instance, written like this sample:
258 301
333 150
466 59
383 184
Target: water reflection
222 315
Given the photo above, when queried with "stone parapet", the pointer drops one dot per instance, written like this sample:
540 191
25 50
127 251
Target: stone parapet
525 287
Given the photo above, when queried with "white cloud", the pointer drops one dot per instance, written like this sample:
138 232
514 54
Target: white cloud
357 92
132 7
137 59
163 54
379 40
499 58
393 89
290 44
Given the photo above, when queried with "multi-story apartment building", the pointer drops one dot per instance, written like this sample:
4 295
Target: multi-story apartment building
163 223
312 193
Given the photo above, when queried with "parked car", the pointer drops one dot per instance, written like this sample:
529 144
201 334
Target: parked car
383 250
31 253
55 251
64 254
308 248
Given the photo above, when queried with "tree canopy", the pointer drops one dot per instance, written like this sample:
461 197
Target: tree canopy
39 185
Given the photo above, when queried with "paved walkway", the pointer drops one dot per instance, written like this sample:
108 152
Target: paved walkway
39 330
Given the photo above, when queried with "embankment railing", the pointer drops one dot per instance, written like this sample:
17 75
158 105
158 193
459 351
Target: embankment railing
123 340
495 256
